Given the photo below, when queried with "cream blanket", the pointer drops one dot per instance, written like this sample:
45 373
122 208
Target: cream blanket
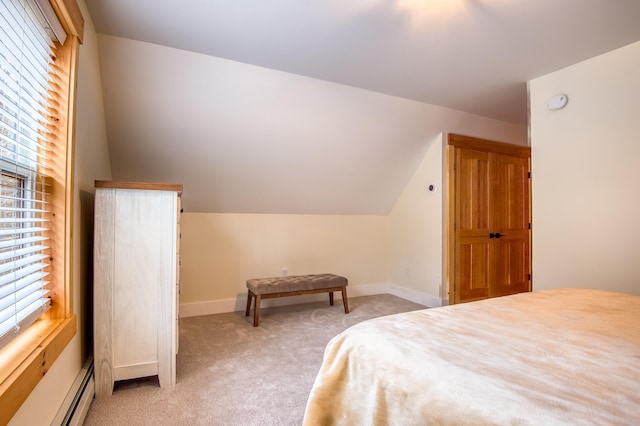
553 357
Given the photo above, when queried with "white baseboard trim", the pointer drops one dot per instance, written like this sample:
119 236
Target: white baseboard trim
239 303
208 307
415 296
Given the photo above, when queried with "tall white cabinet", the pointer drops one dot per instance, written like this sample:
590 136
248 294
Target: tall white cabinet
136 282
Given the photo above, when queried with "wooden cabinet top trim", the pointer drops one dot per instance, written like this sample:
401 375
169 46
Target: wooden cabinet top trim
140 185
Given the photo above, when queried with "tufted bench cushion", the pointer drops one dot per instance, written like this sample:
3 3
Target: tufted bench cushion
267 288
295 283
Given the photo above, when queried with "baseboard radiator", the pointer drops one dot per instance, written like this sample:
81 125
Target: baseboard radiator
76 404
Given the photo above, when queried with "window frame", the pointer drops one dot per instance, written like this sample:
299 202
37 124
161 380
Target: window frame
26 359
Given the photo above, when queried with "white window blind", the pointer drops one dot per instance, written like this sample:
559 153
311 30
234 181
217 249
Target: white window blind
26 52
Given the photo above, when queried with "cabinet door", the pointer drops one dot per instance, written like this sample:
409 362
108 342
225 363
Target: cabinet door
138 277
144 285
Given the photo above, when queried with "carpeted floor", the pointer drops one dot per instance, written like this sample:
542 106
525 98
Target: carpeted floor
230 373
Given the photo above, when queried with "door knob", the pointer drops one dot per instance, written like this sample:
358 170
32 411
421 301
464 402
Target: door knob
496 235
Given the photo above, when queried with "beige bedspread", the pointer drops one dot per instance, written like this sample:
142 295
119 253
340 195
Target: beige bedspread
564 356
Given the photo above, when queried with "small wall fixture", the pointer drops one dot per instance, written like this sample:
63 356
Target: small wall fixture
431 188
556 102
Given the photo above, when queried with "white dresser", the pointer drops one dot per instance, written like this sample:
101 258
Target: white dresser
136 282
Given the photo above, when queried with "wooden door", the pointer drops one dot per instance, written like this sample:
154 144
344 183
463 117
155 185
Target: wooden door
509 220
490 219
472 223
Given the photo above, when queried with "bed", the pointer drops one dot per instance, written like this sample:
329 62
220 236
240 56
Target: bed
552 357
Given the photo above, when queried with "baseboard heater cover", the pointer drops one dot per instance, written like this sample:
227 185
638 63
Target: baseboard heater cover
75 406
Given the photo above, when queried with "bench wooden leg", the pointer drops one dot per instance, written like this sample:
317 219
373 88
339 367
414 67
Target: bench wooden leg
258 299
246 312
344 300
256 311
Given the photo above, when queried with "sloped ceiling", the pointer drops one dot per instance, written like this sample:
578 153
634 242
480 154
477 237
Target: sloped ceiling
323 106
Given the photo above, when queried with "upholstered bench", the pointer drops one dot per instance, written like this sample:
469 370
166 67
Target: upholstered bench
268 288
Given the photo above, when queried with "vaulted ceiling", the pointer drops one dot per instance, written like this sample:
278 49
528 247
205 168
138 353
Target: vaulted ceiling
322 106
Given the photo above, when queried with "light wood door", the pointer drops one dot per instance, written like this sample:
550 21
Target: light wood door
510 220
491 219
472 220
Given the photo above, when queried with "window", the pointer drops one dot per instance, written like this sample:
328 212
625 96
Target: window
25 152
39 42
23 256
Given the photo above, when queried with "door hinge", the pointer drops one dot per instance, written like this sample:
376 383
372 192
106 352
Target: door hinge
529 225
529 175
529 277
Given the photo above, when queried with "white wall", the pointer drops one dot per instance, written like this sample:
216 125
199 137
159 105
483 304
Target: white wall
416 223
585 175
219 252
365 146
257 140
399 253
92 162
415 229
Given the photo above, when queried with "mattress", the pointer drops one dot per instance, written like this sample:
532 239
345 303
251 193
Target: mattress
561 356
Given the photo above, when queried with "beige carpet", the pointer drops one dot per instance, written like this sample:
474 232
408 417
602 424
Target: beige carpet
230 373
